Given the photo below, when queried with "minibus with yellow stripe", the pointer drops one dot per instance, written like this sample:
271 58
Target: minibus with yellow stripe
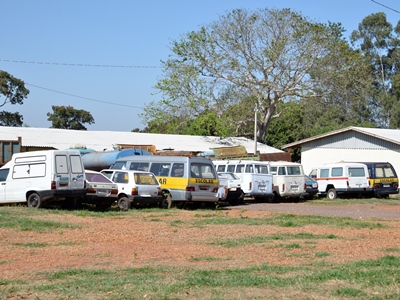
182 178
383 179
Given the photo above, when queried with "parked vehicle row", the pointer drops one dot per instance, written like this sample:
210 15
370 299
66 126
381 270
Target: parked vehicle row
58 177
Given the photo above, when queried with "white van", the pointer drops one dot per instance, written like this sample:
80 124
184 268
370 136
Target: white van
40 177
256 178
288 178
342 178
136 188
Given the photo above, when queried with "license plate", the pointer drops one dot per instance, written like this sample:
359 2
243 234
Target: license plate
232 189
386 185
203 188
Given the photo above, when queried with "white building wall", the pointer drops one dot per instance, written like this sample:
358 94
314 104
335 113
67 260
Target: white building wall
313 157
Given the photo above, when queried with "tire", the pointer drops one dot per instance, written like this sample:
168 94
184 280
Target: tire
34 201
331 194
166 202
124 203
238 200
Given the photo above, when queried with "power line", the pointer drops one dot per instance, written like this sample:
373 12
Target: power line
78 65
385 6
86 98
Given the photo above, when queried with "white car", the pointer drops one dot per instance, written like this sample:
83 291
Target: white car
135 188
100 190
233 186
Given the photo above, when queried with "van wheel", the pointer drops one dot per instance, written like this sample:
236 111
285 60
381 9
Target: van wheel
166 202
124 203
238 200
331 194
34 201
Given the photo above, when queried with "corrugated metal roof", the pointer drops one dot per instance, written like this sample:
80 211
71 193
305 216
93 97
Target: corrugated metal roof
105 140
390 135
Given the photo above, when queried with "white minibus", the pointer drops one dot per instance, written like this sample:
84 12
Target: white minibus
257 181
289 180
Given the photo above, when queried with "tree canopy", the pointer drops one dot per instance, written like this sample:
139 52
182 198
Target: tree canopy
260 57
379 43
67 117
14 92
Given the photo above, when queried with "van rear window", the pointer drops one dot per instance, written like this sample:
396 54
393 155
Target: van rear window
384 171
356 172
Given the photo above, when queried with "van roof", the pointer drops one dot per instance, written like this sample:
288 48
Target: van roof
338 164
163 158
284 163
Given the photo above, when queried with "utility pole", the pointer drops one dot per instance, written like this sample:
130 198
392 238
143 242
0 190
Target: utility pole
255 130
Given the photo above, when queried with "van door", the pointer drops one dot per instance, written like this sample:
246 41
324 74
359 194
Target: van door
3 186
78 181
357 177
62 177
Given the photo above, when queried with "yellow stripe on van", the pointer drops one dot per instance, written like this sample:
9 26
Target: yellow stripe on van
173 182
204 181
384 180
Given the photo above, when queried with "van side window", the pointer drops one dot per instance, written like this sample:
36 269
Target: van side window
337 172
295 170
240 169
139 166
61 164
28 171
273 170
249 169
324 173
231 168
160 169
281 171
221 168
177 170
4 174
134 166
261 169
76 164
119 165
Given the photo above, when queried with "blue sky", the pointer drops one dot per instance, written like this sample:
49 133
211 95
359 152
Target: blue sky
54 37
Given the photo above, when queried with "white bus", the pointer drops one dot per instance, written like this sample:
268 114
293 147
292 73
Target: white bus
289 180
256 176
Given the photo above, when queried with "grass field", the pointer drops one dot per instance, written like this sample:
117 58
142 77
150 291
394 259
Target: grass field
317 278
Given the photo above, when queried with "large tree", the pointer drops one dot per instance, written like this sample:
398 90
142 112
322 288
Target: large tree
67 117
379 42
267 56
14 92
